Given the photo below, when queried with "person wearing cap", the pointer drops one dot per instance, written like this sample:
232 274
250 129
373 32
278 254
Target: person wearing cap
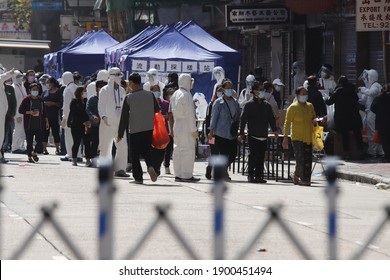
184 131
53 100
110 104
277 92
246 94
18 146
4 76
153 80
137 118
224 123
258 115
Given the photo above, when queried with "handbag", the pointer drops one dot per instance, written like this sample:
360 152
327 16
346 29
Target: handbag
160 138
376 138
234 124
318 144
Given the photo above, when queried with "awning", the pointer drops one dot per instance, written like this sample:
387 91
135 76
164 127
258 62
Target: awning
17 43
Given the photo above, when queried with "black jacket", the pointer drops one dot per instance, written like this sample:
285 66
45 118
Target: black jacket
77 114
381 107
11 98
258 114
346 115
315 98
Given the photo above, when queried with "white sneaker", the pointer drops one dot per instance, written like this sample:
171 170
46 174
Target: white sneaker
167 170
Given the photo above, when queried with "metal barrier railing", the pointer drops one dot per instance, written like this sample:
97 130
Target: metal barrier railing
106 192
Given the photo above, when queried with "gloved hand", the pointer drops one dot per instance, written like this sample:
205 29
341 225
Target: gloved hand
194 134
105 120
11 72
64 123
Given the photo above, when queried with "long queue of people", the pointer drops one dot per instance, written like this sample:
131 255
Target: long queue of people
112 117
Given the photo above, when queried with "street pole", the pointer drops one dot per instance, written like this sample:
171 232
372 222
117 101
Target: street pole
105 192
331 192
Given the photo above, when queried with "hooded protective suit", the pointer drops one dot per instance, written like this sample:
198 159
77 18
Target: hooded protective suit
110 104
299 75
153 80
91 89
3 103
368 93
246 94
19 135
184 128
218 75
102 75
68 95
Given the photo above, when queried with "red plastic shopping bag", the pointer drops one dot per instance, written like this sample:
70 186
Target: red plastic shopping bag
160 139
376 138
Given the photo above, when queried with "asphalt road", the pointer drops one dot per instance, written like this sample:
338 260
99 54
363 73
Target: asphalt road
28 187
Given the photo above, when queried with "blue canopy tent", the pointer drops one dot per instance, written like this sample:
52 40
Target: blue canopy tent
198 35
114 53
87 57
173 52
52 61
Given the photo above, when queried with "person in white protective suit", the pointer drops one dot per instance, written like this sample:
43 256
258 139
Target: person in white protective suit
182 112
218 75
4 76
367 95
153 80
68 95
91 89
110 103
201 105
298 71
326 80
102 76
19 136
246 94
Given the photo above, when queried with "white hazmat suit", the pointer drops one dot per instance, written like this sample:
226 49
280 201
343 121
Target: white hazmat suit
111 98
153 79
91 89
68 95
3 103
218 75
19 135
368 93
246 94
299 75
184 128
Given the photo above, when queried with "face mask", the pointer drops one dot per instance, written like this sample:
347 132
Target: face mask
277 88
79 84
229 92
217 76
249 85
219 93
303 98
30 79
34 93
157 94
19 80
323 75
262 94
45 87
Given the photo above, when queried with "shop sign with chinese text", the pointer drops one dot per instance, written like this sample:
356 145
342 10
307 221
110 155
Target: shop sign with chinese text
256 15
372 15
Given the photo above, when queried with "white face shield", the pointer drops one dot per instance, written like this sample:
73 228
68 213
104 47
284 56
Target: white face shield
152 78
218 73
116 76
364 77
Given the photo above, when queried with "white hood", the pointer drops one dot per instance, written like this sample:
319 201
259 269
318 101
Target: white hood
372 77
15 80
67 78
185 81
102 76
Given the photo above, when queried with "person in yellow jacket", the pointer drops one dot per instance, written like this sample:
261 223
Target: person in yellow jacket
300 120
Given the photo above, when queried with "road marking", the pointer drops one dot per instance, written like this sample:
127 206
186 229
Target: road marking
370 246
59 258
305 224
16 216
260 208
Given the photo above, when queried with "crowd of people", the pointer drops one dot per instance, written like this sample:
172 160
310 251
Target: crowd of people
106 116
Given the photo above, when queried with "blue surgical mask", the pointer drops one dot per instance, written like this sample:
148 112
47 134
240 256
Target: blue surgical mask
262 94
303 98
157 94
34 93
219 93
228 92
277 88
